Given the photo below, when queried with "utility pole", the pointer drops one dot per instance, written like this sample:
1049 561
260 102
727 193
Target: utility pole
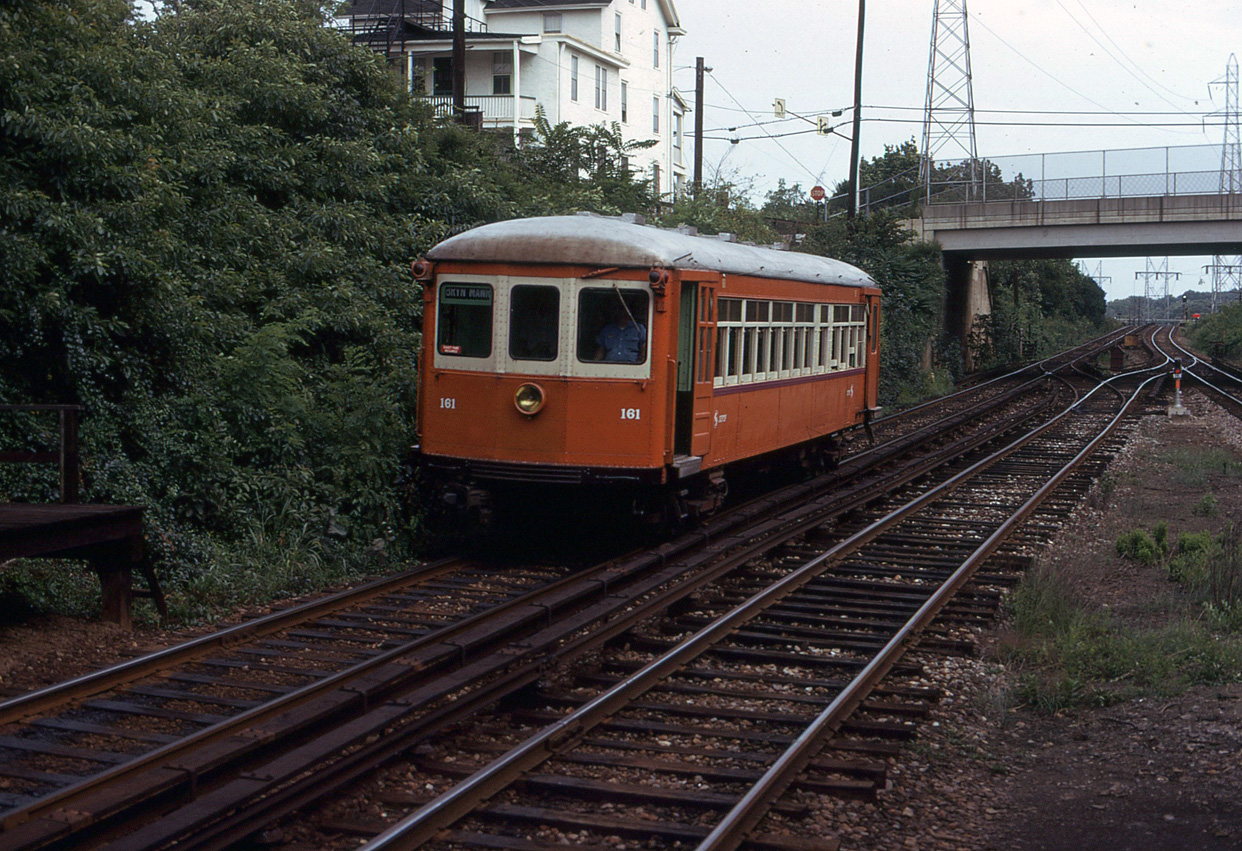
459 59
699 72
858 67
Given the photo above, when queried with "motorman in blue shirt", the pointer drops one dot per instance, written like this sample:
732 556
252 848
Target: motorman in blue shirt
623 339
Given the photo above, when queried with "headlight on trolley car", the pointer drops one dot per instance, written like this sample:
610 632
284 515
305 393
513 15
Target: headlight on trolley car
529 399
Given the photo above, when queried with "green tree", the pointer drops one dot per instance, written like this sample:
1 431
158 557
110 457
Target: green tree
565 168
722 206
1038 307
209 220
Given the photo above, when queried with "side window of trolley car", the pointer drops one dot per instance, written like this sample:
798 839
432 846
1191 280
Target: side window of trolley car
534 322
464 323
612 325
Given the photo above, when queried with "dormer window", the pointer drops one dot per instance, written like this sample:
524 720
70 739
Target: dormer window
551 22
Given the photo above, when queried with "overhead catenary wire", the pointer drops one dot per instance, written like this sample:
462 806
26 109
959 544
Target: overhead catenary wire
774 138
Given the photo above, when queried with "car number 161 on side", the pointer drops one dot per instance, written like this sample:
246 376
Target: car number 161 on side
631 413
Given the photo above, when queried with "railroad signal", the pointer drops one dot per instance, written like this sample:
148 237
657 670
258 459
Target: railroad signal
778 107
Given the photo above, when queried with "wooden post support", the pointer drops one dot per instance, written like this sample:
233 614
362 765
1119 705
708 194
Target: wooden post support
70 461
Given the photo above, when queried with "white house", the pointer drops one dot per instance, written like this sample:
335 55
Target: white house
584 61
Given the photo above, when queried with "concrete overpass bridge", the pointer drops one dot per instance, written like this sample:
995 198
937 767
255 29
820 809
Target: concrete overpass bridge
1138 202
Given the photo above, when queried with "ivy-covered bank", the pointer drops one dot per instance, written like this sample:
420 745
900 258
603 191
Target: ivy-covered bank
208 219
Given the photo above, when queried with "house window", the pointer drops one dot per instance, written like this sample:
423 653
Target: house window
442 77
677 134
601 87
655 180
573 78
655 49
616 32
551 22
644 4
655 113
625 101
502 73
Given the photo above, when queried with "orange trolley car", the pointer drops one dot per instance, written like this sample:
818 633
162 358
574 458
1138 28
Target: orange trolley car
592 351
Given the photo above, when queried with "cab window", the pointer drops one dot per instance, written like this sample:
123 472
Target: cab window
464 326
612 325
534 322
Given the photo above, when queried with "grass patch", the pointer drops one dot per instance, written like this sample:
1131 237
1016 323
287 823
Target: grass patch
279 556
1193 465
1147 549
1069 656
1207 507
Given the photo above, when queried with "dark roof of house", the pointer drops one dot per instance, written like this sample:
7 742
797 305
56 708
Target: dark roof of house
539 4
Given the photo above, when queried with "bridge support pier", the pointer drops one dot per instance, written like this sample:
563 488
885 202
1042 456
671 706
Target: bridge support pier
967 298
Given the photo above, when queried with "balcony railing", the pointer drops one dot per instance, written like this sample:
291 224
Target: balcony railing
496 109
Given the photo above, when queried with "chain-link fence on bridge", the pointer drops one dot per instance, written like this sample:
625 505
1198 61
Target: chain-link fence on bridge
1123 173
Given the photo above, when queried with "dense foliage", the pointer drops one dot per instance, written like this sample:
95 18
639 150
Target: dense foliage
1038 307
207 223
1220 334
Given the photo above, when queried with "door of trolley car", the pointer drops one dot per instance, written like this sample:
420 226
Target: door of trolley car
696 358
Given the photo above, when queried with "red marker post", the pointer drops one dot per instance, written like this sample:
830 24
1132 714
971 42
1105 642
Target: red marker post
1177 409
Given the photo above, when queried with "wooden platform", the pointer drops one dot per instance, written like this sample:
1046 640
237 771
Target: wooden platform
109 537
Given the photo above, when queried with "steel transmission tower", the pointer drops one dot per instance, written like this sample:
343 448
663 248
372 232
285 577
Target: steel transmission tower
1227 269
949 111
1153 272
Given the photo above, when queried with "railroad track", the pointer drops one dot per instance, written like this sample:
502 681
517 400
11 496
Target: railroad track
211 723
796 610
1222 386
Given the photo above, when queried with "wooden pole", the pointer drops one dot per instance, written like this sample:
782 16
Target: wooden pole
699 72
70 461
459 58
858 66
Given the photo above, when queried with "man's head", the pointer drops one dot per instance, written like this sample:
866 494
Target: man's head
619 314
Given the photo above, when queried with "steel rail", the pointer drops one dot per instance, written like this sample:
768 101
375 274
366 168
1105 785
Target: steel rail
304 694
731 831
774 531
41 700
1200 361
426 822
1098 344
307 693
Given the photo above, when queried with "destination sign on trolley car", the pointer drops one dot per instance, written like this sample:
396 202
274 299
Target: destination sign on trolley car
465 294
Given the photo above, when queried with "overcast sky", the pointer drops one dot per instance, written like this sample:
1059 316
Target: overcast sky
1141 67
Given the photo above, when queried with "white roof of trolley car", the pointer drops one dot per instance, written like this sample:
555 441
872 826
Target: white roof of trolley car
591 240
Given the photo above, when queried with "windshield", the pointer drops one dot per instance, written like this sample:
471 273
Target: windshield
465 320
612 325
534 322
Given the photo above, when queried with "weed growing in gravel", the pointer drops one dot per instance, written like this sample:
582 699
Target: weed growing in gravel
1192 466
1138 545
1209 568
1207 506
1070 656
